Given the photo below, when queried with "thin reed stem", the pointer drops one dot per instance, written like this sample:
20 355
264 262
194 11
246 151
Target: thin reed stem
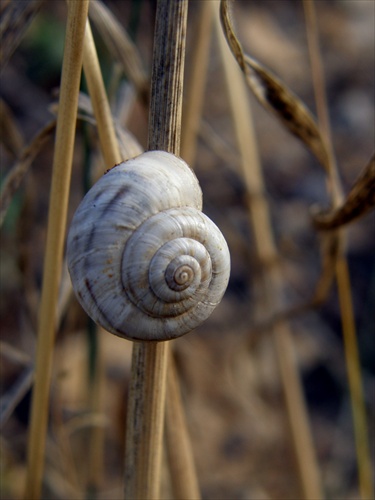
107 135
146 407
353 365
271 281
180 454
62 162
320 96
193 99
111 154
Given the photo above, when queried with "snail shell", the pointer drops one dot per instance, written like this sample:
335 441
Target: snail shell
145 262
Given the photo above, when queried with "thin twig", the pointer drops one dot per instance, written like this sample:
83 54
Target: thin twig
62 162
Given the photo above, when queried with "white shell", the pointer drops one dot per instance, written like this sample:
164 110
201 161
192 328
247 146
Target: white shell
145 262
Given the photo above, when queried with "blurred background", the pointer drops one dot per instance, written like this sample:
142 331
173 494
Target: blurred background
229 376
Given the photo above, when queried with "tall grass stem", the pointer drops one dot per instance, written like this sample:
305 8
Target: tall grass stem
111 154
196 82
107 135
146 407
271 282
59 195
179 450
353 365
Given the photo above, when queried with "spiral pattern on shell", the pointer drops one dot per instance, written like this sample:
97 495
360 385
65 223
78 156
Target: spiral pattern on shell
145 262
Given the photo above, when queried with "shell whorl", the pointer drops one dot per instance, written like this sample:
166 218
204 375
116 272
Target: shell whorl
145 262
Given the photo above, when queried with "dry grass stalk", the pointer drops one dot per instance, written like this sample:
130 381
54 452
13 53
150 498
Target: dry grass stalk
180 454
145 420
62 162
274 95
107 135
111 153
272 279
353 365
146 407
193 99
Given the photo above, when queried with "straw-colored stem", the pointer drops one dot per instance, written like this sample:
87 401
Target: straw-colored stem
111 154
193 99
272 280
96 388
62 162
145 420
107 135
180 454
353 367
146 407
167 76
366 485
320 97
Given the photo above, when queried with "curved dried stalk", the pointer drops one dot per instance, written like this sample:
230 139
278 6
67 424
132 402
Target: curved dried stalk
271 281
62 162
358 203
274 95
341 268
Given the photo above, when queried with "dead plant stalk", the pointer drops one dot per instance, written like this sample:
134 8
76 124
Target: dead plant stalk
111 154
353 365
146 406
272 285
62 162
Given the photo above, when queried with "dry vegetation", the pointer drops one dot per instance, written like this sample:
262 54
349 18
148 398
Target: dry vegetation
228 368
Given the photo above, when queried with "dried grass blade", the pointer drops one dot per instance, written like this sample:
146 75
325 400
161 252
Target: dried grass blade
193 99
62 162
352 359
180 456
120 45
274 95
15 19
271 280
108 141
360 200
19 170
